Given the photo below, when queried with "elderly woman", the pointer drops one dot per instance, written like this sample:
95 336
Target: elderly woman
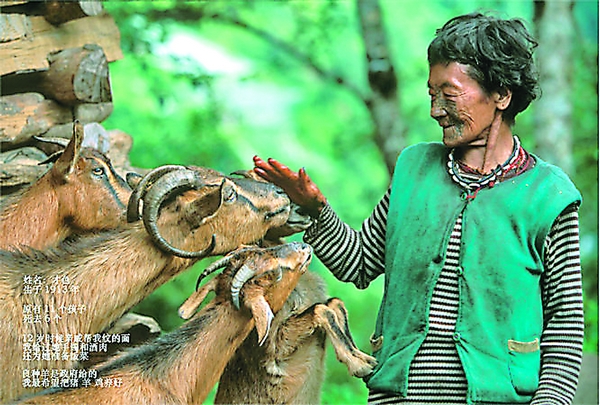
477 238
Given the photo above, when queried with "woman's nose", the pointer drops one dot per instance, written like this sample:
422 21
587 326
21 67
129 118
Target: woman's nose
437 111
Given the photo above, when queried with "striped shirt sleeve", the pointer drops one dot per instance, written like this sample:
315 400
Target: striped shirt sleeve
562 338
352 256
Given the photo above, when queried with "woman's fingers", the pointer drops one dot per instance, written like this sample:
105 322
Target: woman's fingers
299 186
275 172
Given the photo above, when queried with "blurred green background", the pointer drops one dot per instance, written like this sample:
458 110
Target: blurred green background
214 83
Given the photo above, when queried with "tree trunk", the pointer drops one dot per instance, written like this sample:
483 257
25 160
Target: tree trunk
553 113
383 105
76 75
13 27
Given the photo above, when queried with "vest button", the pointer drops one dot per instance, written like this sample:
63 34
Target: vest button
437 259
460 271
464 195
456 337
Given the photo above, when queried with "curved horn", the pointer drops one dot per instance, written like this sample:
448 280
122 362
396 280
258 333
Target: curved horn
244 274
53 140
222 262
167 185
133 207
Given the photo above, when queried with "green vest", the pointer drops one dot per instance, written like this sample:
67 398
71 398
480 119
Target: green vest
500 317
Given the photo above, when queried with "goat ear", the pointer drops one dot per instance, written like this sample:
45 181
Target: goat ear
263 317
65 164
206 206
228 191
187 309
133 179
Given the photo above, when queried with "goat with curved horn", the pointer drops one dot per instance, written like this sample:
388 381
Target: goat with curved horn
182 367
114 270
286 366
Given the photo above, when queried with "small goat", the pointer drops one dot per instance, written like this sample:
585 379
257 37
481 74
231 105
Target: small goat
183 366
80 193
184 217
289 367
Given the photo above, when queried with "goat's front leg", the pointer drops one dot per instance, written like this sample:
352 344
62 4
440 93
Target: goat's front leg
332 318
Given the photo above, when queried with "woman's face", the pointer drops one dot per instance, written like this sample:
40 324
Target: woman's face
460 106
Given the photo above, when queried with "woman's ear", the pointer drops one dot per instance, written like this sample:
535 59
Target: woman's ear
502 99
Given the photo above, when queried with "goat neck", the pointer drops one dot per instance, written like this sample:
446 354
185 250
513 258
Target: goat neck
115 270
24 221
183 366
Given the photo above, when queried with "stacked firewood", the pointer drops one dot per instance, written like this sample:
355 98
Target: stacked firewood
54 59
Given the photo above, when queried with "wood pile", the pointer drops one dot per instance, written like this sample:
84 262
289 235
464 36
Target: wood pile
54 70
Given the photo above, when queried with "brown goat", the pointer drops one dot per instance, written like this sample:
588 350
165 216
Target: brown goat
80 193
183 366
115 270
289 367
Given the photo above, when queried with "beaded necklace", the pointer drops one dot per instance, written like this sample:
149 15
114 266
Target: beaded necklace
472 180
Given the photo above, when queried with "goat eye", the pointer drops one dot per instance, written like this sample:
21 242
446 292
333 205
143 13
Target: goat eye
98 171
230 196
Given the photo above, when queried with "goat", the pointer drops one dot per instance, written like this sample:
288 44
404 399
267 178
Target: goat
289 367
181 367
80 193
184 219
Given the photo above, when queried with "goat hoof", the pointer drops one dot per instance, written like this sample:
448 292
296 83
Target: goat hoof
363 371
363 367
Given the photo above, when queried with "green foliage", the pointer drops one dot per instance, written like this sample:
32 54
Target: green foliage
591 325
196 87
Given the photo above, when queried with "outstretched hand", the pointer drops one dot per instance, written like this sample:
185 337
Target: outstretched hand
298 186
